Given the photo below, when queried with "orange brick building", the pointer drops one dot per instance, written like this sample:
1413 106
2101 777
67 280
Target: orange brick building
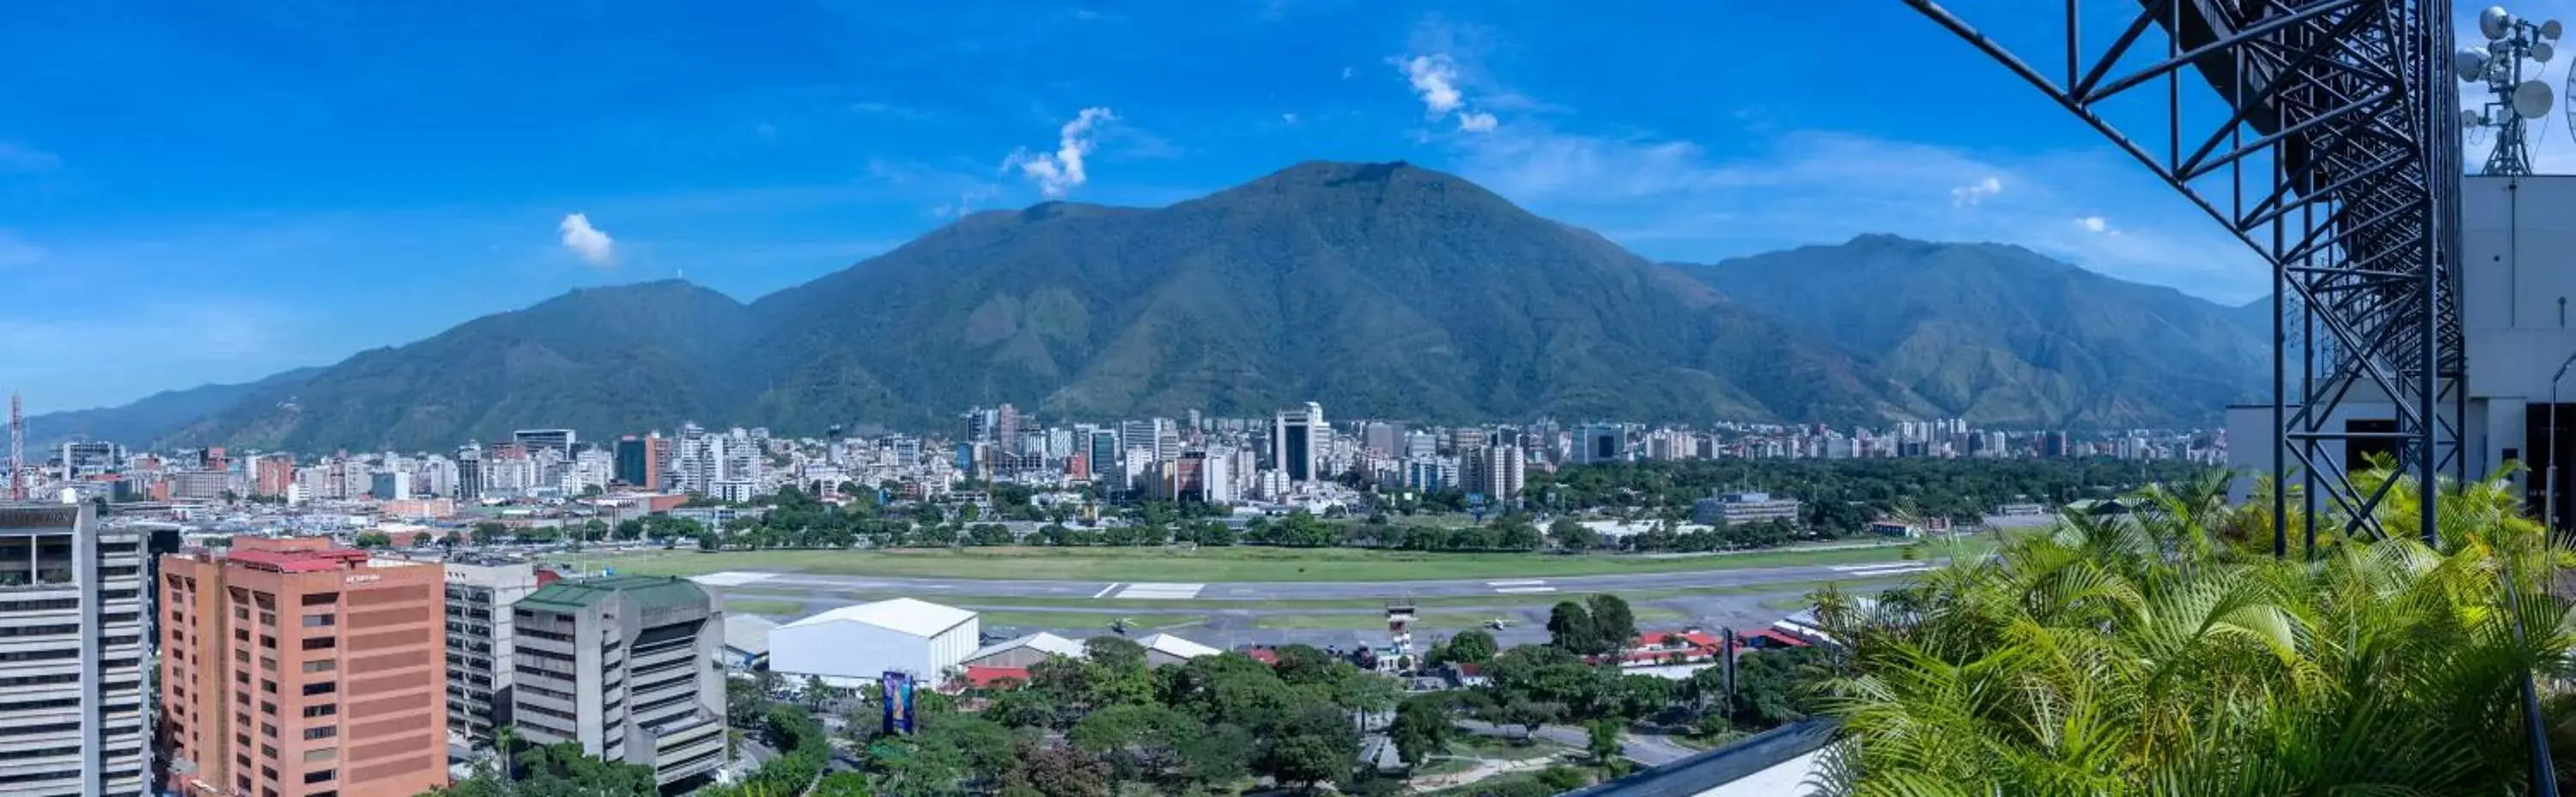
295 669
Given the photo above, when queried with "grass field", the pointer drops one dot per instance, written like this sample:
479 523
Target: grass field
1783 592
1204 565
1147 622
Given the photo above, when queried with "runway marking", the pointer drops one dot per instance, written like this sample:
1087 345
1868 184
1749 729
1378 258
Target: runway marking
1104 591
1523 590
1849 568
1887 571
732 578
1169 592
1524 582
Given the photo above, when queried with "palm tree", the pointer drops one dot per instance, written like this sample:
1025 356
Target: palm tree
2166 651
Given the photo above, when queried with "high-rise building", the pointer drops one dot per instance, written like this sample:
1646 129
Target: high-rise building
479 642
389 485
657 451
82 460
634 462
1135 435
293 667
559 441
1006 427
1296 442
271 474
619 667
72 616
469 472
1104 448
1601 442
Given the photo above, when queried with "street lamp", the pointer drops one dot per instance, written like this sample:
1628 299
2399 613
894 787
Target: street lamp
2549 487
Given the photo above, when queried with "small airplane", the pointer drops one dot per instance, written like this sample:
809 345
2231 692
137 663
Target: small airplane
1119 625
1498 623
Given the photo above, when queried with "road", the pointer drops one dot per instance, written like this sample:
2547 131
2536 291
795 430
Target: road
1647 749
1179 589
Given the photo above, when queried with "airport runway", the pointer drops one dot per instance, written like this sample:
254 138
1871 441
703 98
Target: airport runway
1303 590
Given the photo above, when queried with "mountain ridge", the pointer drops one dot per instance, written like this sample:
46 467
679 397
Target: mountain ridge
1382 289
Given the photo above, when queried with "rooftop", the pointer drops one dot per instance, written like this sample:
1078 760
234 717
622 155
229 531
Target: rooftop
1041 640
298 561
915 617
648 591
748 634
1176 646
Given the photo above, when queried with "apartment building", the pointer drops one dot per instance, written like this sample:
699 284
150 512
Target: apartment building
296 669
71 654
620 666
479 642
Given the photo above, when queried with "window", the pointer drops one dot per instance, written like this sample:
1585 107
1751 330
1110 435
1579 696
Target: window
241 634
322 732
320 665
242 678
317 777
268 619
268 686
323 688
316 643
268 664
321 710
270 642
242 655
241 613
268 751
321 598
269 709
319 620
269 731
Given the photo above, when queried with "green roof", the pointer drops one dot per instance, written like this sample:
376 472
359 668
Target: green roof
644 591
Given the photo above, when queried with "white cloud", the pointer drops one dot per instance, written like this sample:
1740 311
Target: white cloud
1435 79
587 241
2094 224
22 158
1347 72
1061 171
15 251
1289 118
1476 122
1973 194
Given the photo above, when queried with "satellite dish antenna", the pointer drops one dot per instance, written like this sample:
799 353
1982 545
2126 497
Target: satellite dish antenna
2531 99
2542 51
2551 29
2495 22
2470 118
2470 63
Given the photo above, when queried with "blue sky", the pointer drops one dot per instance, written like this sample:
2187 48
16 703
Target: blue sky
214 191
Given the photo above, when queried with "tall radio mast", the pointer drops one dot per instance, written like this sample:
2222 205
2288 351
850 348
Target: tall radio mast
17 449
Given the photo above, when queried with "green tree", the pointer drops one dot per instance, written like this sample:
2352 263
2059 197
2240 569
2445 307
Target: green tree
1614 626
2150 652
374 540
489 532
1470 646
1570 628
1421 728
1572 536
1601 741
1022 708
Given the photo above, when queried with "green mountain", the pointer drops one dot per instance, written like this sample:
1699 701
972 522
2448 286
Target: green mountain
596 360
1381 289
2002 335
155 416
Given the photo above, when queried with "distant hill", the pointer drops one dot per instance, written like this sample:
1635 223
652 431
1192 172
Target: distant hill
1382 290
2002 335
621 358
155 416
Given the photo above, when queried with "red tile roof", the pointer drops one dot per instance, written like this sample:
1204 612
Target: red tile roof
981 677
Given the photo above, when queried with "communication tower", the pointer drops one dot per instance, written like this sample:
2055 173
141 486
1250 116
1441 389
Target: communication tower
17 448
2512 101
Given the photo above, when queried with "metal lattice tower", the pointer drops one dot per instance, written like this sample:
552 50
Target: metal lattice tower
2335 155
17 449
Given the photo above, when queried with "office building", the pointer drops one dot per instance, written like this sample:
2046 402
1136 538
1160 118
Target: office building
71 626
559 441
622 668
636 465
1497 472
291 667
389 485
272 474
86 459
1296 442
1601 443
479 596
1733 508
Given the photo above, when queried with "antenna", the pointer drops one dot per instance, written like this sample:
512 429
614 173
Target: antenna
2512 101
17 448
